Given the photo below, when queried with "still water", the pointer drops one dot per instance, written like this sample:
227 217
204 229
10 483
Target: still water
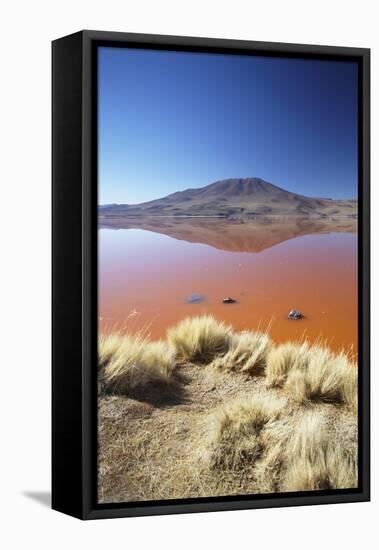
149 269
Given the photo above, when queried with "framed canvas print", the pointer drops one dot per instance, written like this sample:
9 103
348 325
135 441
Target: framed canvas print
210 275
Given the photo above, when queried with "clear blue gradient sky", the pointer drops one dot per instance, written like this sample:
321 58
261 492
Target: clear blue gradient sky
173 120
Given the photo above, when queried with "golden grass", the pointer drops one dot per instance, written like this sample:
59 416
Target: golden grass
108 347
259 438
199 339
307 373
247 352
281 359
268 470
315 460
234 437
131 362
220 434
313 373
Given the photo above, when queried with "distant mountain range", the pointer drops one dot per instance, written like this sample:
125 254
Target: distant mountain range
234 198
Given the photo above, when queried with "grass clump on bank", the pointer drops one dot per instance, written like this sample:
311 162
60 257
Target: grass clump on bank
247 352
281 359
234 438
199 339
315 461
258 438
313 373
128 363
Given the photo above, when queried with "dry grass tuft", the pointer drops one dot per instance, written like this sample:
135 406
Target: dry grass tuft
269 468
234 438
199 339
315 460
108 347
326 377
260 440
130 362
281 359
313 373
247 352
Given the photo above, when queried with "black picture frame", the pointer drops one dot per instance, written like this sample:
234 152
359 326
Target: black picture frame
74 272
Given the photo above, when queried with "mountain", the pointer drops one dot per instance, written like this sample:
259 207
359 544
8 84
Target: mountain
238 197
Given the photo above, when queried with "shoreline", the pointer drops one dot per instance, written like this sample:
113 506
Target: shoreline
231 218
215 412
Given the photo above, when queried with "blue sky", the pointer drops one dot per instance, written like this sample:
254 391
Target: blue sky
173 120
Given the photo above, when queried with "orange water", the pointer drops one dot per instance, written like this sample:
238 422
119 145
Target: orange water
145 278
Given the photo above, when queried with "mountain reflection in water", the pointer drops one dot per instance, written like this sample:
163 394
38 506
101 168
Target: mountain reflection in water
238 235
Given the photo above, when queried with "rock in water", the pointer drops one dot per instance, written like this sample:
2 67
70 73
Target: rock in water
294 315
195 299
229 300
